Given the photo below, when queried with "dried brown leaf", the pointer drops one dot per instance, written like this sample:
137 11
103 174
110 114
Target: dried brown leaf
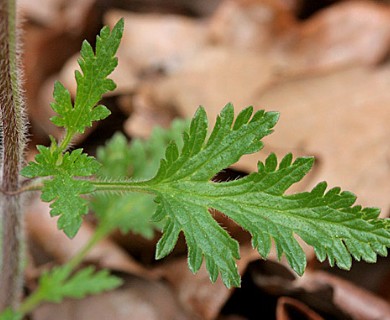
43 230
250 24
347 33
157 42
291 309
353 300
202 297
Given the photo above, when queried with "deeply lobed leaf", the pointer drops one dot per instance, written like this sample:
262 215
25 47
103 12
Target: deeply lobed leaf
64 192
227 143
58 284
204 237
326 220
63 188
51 162
198 161
92 83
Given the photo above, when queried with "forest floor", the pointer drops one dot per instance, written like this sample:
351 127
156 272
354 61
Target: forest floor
324 65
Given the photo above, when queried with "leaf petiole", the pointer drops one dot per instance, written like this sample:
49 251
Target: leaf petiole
123 186
66 141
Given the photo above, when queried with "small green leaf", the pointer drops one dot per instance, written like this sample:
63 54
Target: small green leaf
58 284
225 146
63 188
131 212
45 163
9 314
50 162
92 83
115 157
65 193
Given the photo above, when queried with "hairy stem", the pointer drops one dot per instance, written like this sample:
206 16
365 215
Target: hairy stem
13 138
66 141
122 186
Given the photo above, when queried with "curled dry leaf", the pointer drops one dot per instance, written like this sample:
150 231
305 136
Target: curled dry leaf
354 301
71 15
250 24
328 295
202 297
157 42
197 8
275 278
43 230
290 309
351 32
145 115
213 77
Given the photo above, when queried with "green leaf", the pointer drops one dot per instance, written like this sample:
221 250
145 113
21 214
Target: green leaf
205 238
9 314
328 221
139 160
65 193
325 220
198 161
227 143
57 284
129 212
63 188
51 162
115 157
92 83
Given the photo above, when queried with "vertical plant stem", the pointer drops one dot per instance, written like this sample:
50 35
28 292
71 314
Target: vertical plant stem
13 138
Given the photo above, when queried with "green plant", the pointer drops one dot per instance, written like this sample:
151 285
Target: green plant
180 191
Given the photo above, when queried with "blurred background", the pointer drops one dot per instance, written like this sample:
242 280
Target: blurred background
324 65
